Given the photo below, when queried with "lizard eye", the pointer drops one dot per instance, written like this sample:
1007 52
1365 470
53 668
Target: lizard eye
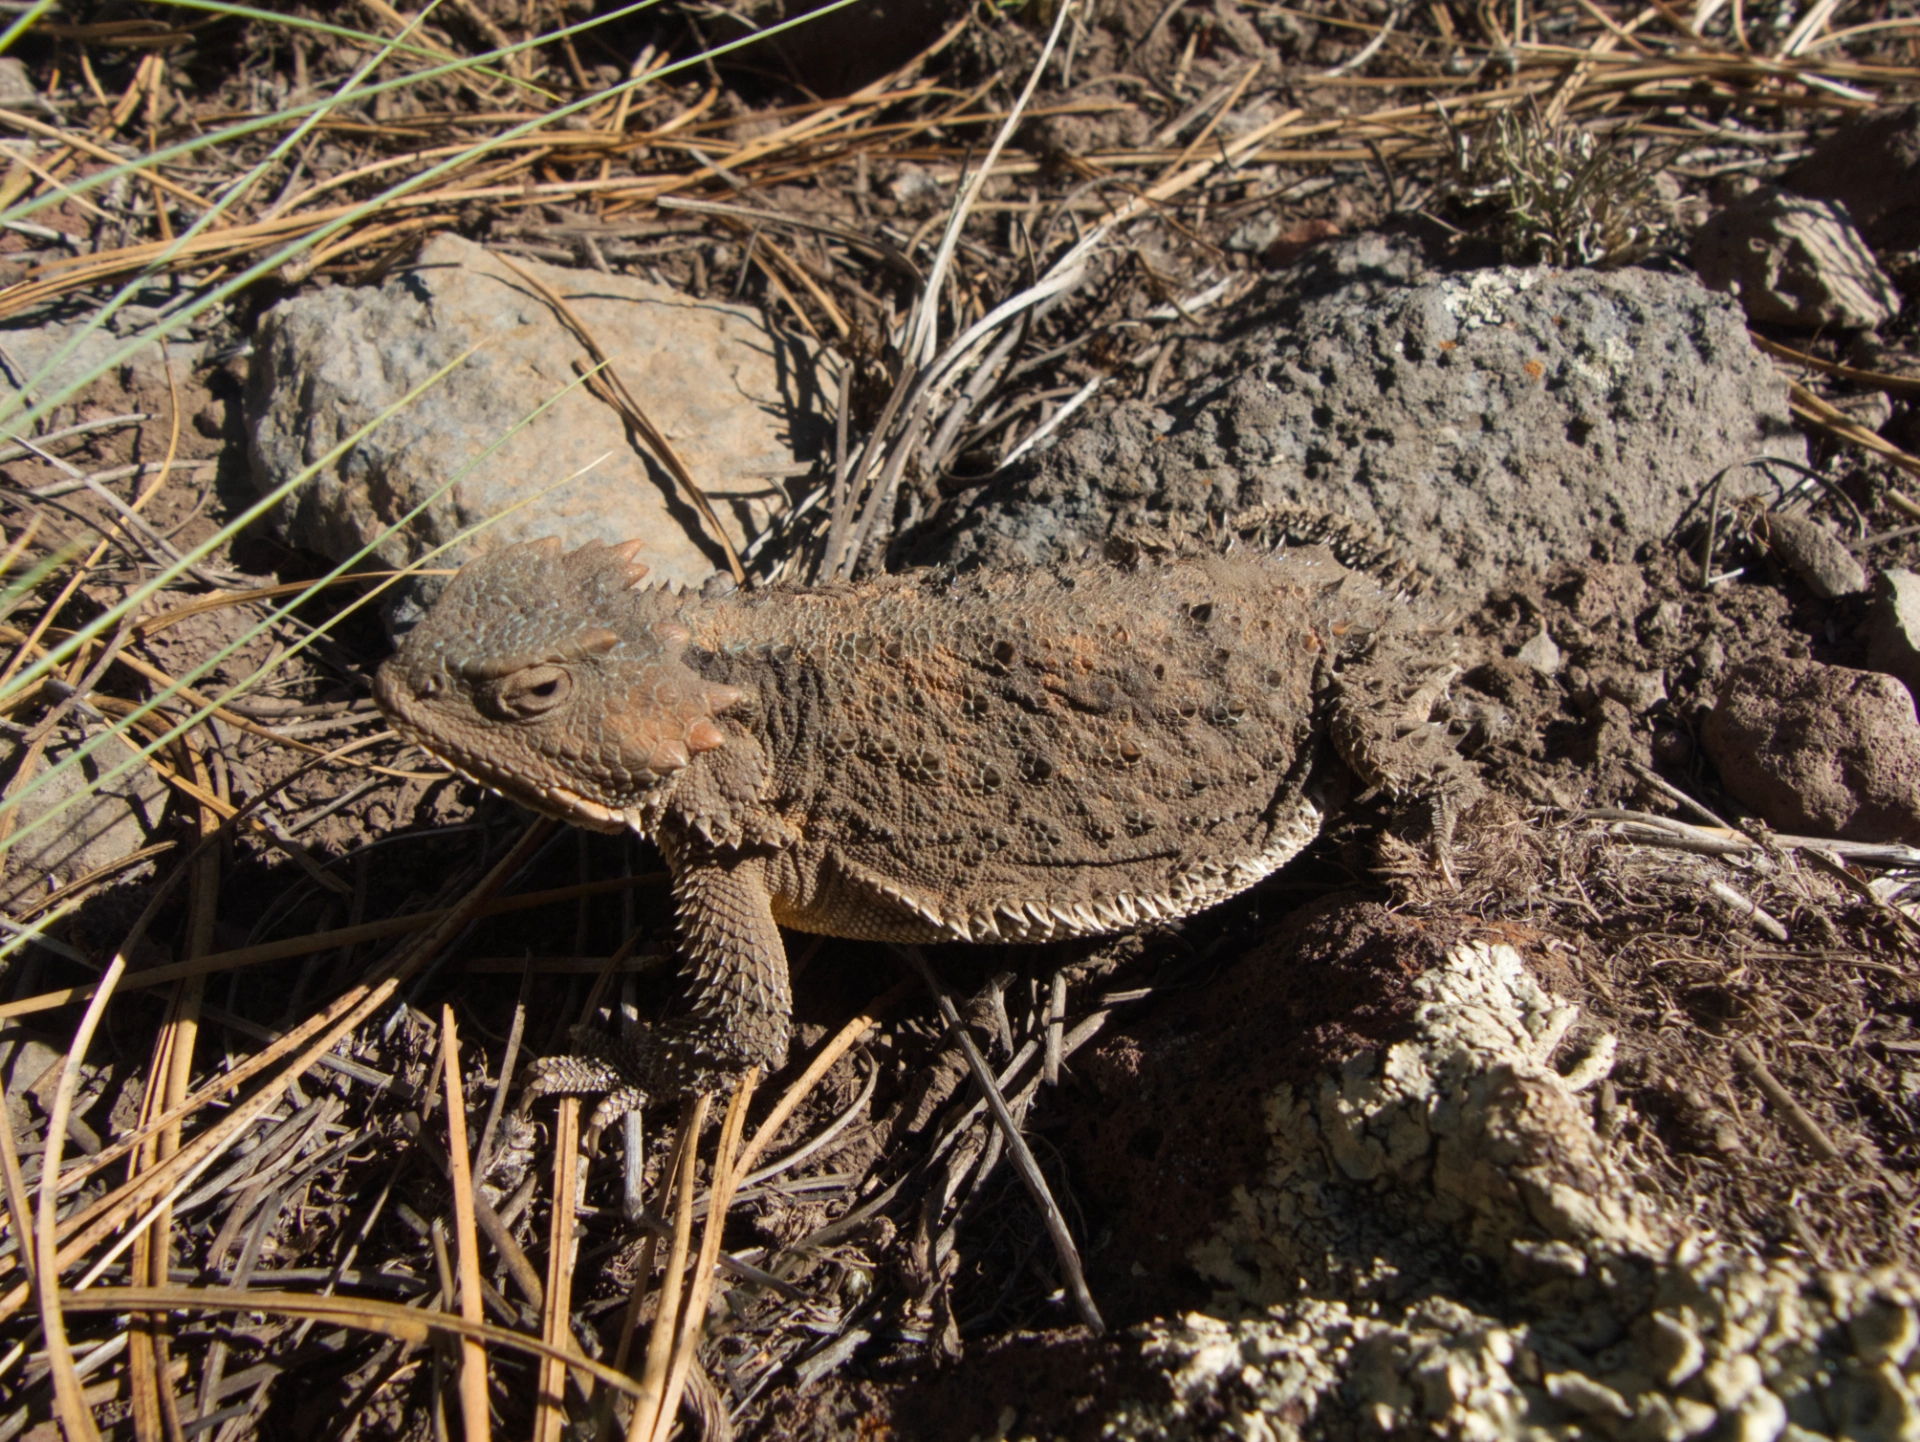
529 693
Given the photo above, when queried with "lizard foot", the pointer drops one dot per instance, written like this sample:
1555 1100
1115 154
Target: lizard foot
597 1070
1390 741
627 1073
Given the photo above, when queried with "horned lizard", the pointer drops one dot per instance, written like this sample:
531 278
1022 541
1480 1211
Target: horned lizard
989 757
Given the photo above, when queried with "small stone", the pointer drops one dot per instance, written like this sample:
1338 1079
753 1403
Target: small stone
59 354
76 821
1731 1380
25 1063
1665 619
16 85
1584 1394
1672 746
1868 409
915 190
1815 554
1819 750
1793 261
1638 691
1762 1417
1538 1263
1893 627
1255 235
1660 1418
1606 593
1676 1347
1884 1332
1541 654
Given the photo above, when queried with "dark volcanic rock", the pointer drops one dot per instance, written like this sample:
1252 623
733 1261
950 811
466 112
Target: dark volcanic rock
1502 418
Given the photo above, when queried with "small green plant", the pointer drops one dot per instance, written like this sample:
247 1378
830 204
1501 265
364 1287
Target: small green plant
1566 195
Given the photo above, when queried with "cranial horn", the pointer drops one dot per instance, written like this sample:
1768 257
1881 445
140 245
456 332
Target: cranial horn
596 641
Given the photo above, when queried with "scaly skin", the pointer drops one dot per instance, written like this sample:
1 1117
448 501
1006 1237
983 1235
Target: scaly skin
992 757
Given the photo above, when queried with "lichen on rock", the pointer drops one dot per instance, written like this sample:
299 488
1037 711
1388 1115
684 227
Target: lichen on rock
1444 1242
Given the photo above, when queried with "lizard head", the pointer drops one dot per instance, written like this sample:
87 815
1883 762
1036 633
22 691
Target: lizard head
556 680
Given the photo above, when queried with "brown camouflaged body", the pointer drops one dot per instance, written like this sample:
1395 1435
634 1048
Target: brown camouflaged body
1001 756
1031 754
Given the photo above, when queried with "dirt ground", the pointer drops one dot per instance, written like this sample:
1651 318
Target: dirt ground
899 1280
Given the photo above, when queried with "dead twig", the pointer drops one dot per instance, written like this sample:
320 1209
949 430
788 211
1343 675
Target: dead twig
1748 909
474 1413
549 1417
1798 1119
1063 1243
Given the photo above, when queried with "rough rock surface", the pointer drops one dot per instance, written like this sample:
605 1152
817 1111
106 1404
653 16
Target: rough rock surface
1819 750
1599 1313
1502 418
1893 628
735 401
1871 165
1794 261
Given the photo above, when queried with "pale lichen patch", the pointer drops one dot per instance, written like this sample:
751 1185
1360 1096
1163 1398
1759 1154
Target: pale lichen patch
1443 1244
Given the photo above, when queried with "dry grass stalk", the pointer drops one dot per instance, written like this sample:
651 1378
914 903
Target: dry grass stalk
169 1080
220 961
1067 1252
1824 416
411 1325
475 1414
692 1323
1628 72
842 1042
550 1413
81 1232
659 1358
76 1420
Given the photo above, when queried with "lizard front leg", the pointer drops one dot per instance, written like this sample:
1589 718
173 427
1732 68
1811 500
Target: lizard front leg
742 1006
1382 725
737 963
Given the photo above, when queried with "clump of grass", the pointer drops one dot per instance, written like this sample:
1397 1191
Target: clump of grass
1564 195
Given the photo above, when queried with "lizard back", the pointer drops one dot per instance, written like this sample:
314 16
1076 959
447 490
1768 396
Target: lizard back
1026 754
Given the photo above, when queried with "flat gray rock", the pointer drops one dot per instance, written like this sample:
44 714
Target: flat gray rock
88 822
1497 419
53 356
736 401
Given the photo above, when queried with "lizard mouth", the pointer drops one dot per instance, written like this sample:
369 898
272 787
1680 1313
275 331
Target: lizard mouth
562 803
